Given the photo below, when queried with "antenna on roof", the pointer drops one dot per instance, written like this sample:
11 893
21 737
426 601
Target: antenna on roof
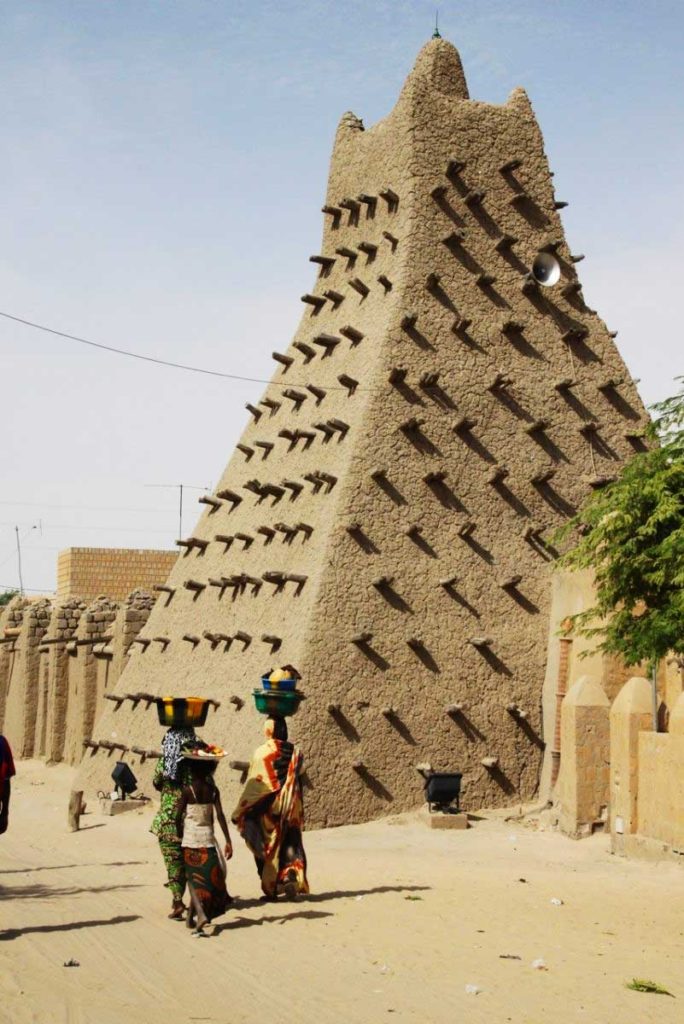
435 34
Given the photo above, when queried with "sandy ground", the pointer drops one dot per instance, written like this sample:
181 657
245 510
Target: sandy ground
401 920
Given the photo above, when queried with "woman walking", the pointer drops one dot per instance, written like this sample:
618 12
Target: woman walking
170 776
205 869
270 813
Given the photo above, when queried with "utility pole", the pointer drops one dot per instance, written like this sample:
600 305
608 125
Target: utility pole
181 488
21 582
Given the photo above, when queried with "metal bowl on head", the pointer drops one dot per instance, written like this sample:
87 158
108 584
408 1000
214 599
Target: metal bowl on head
182 712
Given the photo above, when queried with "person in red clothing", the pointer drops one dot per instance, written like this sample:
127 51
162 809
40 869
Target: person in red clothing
6 773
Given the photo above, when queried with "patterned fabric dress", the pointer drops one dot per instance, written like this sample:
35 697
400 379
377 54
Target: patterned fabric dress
164 824
270 817
205 869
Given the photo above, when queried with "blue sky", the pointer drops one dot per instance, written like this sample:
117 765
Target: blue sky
162 160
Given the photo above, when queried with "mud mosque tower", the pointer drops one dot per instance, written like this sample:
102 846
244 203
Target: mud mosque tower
386 521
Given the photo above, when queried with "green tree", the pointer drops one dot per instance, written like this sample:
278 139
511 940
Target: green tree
632 535
6 596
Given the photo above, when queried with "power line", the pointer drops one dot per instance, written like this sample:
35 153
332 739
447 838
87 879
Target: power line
84 508
164 362
29 590
97 526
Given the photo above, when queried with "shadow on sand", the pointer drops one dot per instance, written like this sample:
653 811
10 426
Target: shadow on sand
41 929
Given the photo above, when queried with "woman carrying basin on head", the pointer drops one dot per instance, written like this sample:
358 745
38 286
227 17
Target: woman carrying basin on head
270 813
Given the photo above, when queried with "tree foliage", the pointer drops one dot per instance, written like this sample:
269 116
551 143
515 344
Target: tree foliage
6 596
632 536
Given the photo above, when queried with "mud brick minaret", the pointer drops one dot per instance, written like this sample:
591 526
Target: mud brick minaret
386 521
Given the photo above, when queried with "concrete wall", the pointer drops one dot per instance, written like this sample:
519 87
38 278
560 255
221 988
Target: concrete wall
87 573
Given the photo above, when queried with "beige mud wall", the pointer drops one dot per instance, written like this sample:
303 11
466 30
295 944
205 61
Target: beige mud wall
386 521
21 684
57 665
94 625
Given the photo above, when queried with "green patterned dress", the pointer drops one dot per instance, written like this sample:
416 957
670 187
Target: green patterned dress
164 825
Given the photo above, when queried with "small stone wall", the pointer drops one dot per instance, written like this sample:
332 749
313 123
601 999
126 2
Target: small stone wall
612 758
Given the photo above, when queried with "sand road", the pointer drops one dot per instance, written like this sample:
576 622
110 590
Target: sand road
401 919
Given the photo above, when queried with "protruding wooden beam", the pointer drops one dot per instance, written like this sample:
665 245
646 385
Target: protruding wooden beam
474 197
192 638
318 393
296 397
348 382
337 298
370 201
505 242
359 286
305 349
497 474
454 168
224 538
230 496
208 499
195 586
246 451
392 239
352 334
325 262
385 282
334 212
271 404
317 301
294 486
164 588
327 341
349 254
352 205
511 165
369 249
285 361
391 198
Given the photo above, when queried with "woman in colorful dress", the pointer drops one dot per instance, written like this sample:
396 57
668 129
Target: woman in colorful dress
205 868
170 776
270 813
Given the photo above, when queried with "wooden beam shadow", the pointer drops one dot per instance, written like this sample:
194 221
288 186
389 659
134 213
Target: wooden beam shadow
374 784
346 727
467 726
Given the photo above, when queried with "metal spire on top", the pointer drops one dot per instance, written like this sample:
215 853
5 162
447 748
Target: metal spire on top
436 33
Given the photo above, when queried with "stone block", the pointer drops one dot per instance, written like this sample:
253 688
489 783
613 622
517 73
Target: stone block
458 822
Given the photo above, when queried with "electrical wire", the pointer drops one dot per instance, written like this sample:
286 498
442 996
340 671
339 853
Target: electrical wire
30 590
84 508
165 362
